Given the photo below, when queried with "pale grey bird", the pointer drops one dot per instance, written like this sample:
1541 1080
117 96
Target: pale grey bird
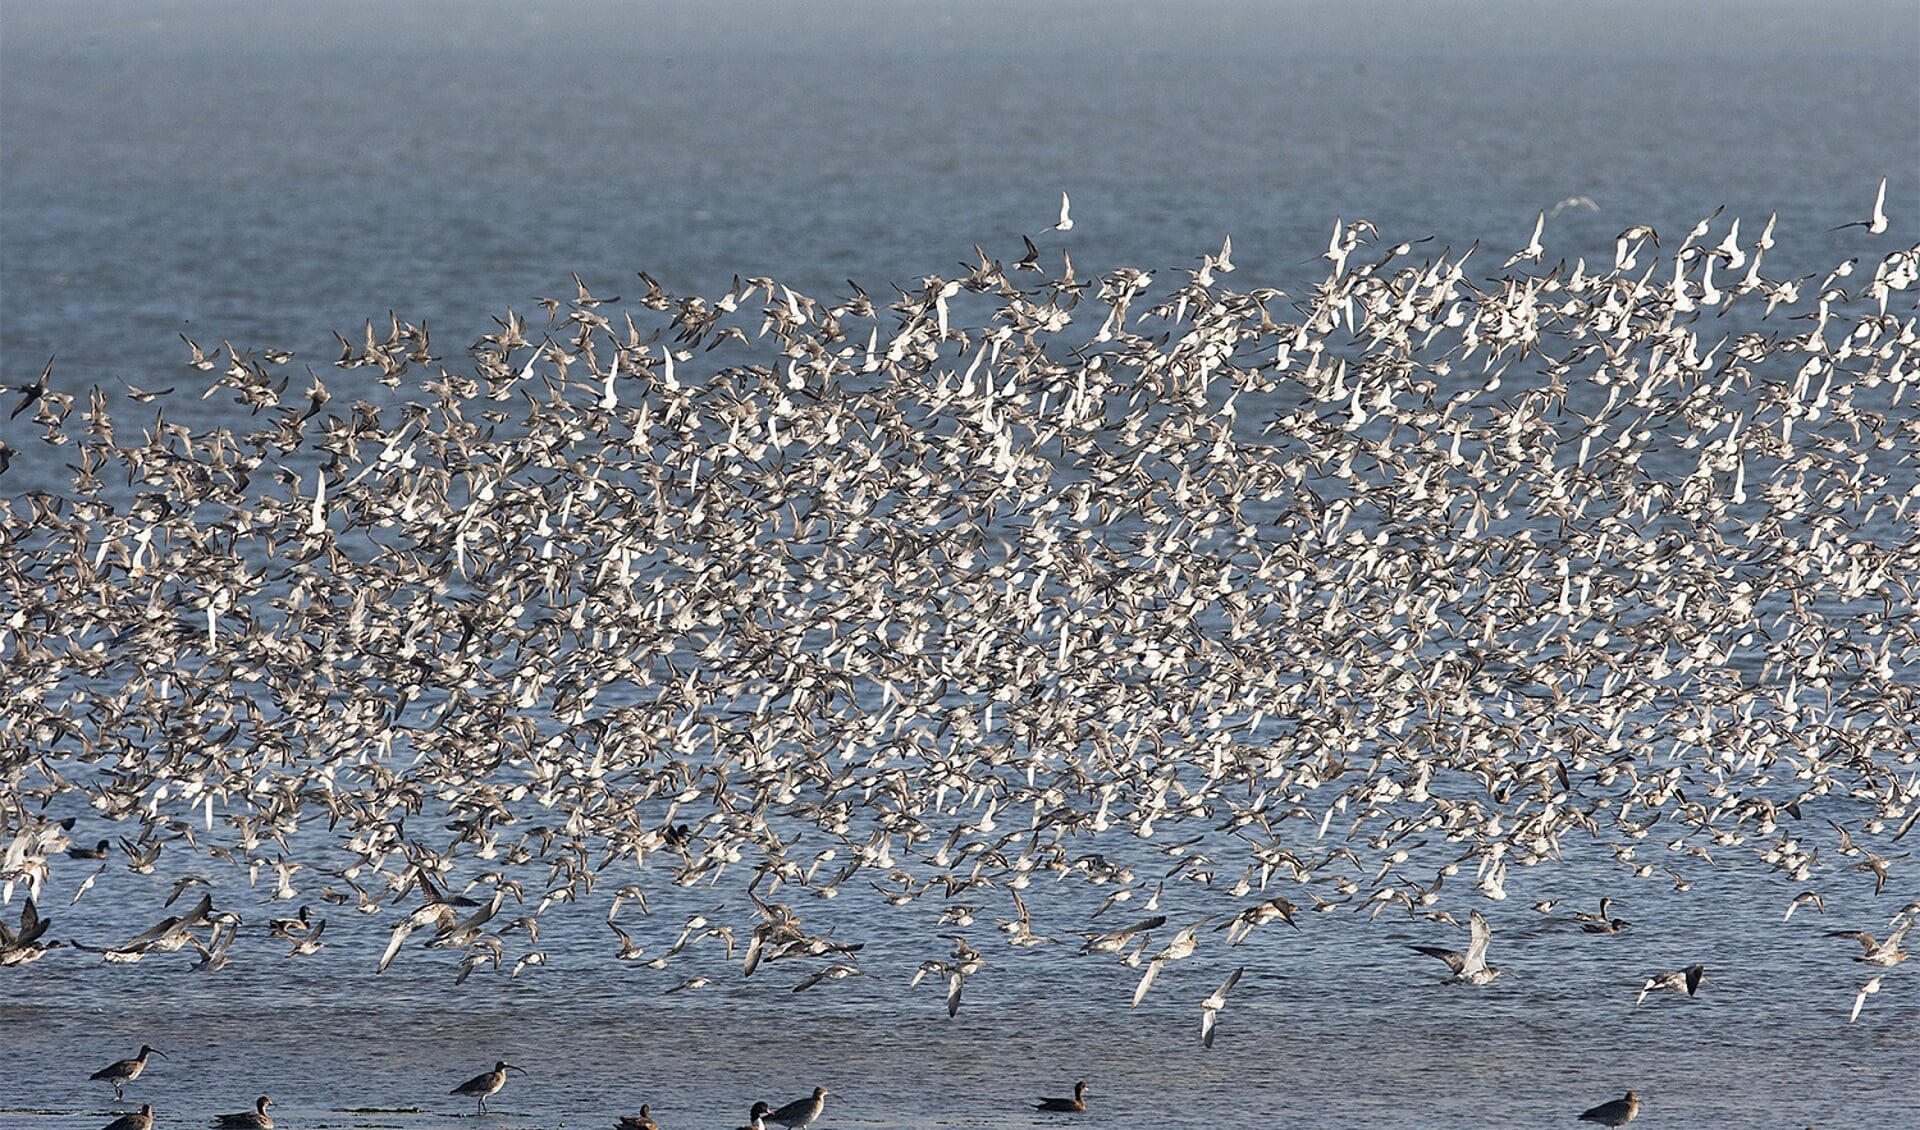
801 1113
1469 968
1210 1008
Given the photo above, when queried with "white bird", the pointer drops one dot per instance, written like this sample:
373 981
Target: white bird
1534 250
1860 998
1878 223
1210 1008
1066 221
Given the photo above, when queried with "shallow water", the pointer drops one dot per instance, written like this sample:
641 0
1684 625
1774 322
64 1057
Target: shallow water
178 172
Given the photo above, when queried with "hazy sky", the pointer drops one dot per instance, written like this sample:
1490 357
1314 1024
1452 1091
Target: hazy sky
1395 29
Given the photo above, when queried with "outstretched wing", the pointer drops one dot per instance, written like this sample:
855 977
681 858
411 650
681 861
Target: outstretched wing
1482 934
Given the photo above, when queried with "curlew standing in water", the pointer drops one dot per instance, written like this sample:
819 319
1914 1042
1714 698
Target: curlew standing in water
486 1083
126 1071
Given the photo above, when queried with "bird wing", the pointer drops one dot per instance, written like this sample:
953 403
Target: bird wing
1481 937
1146 981
1455 961
394 943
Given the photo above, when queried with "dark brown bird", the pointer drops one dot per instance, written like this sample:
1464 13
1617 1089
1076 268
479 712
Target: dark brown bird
1075 1105
486 1083
255 1119
139 1120
126 1071
1619 1112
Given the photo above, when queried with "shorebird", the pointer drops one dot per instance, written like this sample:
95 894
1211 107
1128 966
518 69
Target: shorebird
801 1113
125 1071
1866 990
1878 223
1075 1105
1469 968
141 1119
1210 1008
1534 250
486 1083
1064 223
22 945
1887 953
1680 981
1619 1112
255 1119
642 1121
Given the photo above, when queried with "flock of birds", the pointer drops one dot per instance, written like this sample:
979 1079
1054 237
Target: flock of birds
796 1115
1353 599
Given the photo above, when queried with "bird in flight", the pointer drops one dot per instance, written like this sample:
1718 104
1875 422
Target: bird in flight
1065 223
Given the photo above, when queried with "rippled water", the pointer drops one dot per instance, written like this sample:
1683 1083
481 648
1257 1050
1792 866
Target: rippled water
175 171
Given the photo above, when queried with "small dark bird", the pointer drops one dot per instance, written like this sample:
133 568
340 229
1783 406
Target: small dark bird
139 1120
1075 1105
33 392
1619 1112
255 1119
1679 981
642 1121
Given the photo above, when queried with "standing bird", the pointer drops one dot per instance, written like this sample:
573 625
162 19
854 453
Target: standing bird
1680 981
255 1119
126 1071
140 1120
801 1113
1619 1112
1075 1105
486 1083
